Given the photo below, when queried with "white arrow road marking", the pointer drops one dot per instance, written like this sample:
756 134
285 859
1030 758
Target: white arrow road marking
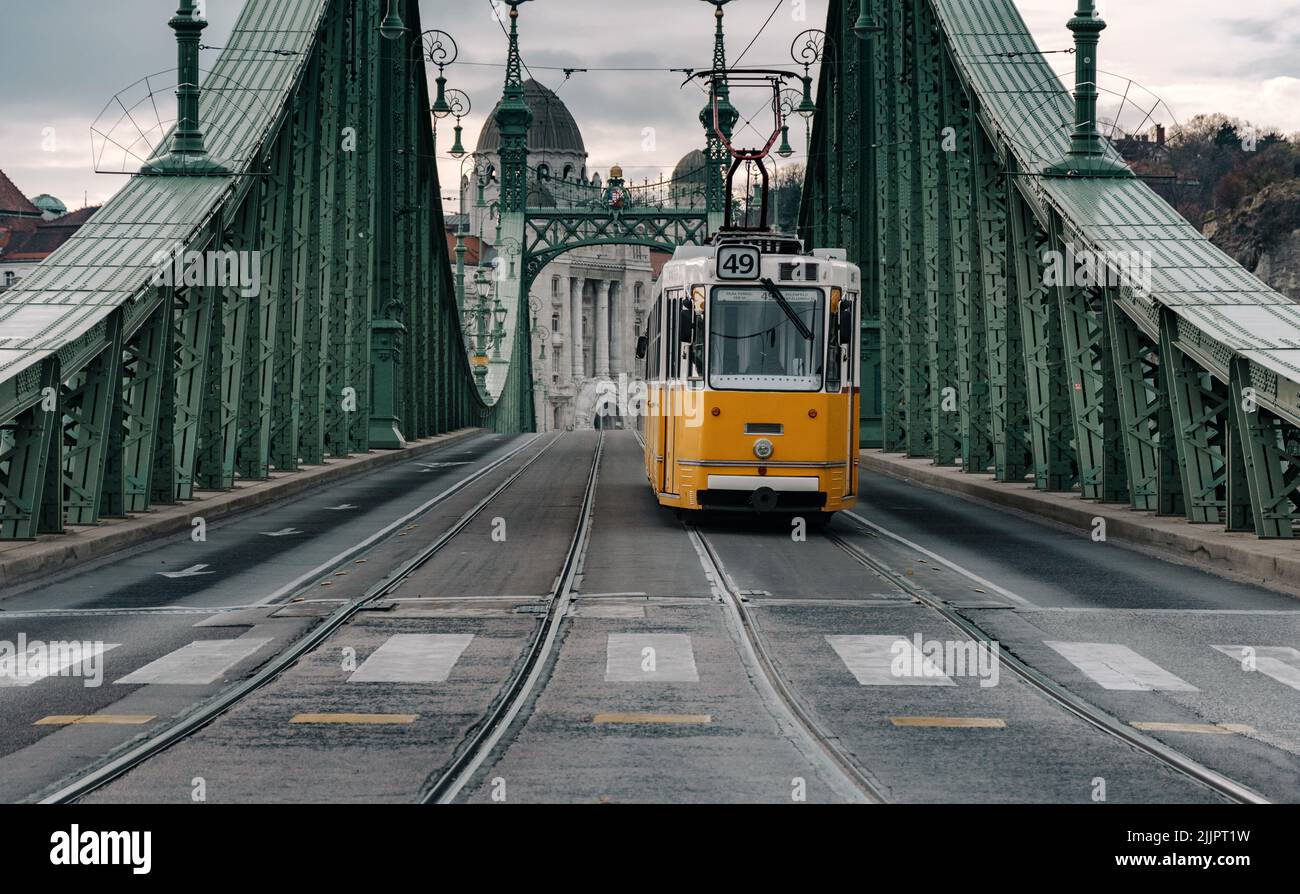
338 508
429 467
1282 663
1115 666
283 532
192 571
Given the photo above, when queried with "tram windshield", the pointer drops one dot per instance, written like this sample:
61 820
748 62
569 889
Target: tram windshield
766 339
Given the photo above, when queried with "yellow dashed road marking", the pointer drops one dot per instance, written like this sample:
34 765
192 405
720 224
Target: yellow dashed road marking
652 718
102 719
373 719
1219 729
951 722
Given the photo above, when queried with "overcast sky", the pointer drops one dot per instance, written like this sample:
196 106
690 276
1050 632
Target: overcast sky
61 61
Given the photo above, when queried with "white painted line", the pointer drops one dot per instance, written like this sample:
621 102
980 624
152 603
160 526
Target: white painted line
283 532
48 660
341 507
293 585
650 657
952 566
1282 663
873 660
413 658
199 663
1115 666
192 571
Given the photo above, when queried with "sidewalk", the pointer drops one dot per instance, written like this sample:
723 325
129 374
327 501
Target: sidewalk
1275 563
22 561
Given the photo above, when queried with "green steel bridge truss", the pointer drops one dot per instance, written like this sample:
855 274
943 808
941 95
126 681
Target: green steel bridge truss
1179 396
118 393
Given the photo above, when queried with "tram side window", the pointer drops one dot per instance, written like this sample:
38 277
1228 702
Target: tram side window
652 352
672 303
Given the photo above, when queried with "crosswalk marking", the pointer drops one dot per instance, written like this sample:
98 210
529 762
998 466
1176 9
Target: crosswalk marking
872 661
1282 663
201 662
1116 666
643 657
50 660
413 658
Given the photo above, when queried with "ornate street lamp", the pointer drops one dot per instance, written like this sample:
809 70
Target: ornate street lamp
392 28
439 48
458 107
808 49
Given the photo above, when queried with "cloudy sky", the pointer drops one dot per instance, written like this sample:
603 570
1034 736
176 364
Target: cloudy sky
61 61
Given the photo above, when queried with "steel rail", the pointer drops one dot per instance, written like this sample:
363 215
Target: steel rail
199 717
488 734
838 758
1055 692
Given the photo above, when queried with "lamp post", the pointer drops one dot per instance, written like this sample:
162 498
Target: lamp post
1087 156
188 153
480 312
807 50
539 379
387 309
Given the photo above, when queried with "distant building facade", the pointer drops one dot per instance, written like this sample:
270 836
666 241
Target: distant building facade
31 230
591 303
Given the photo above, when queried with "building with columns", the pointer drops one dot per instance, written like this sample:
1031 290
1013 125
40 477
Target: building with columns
590 304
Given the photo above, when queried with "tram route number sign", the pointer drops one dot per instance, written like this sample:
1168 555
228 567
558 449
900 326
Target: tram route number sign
738 262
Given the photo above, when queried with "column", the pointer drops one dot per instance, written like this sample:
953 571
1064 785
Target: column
602 328
575 329
615 327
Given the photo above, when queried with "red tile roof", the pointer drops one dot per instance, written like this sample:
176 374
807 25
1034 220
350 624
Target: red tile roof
38 242
12 200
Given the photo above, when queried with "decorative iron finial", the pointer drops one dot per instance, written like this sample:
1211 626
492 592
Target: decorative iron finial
188 153
1087 156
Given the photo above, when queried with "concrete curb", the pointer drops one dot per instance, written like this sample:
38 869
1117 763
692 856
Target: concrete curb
1273 563
21 562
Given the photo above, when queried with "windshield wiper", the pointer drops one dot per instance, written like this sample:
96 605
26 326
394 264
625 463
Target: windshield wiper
785 306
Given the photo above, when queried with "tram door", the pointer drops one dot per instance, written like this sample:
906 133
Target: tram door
671 398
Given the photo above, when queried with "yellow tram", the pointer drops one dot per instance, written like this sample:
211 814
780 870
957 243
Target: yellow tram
752 374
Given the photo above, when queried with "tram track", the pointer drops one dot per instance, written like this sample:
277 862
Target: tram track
1099 719
856 779
487 735
139 752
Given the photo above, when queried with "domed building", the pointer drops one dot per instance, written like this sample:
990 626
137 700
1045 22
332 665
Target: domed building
689 181
51 207
590 303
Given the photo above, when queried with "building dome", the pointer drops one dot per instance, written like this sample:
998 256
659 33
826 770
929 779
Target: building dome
553 128
688 188
691 168
50 205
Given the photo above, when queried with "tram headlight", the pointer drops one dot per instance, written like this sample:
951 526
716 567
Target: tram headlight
763 448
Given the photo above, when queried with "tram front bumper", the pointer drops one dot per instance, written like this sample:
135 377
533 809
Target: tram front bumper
763 493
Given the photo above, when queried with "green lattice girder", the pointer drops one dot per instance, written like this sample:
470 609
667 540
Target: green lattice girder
198 386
